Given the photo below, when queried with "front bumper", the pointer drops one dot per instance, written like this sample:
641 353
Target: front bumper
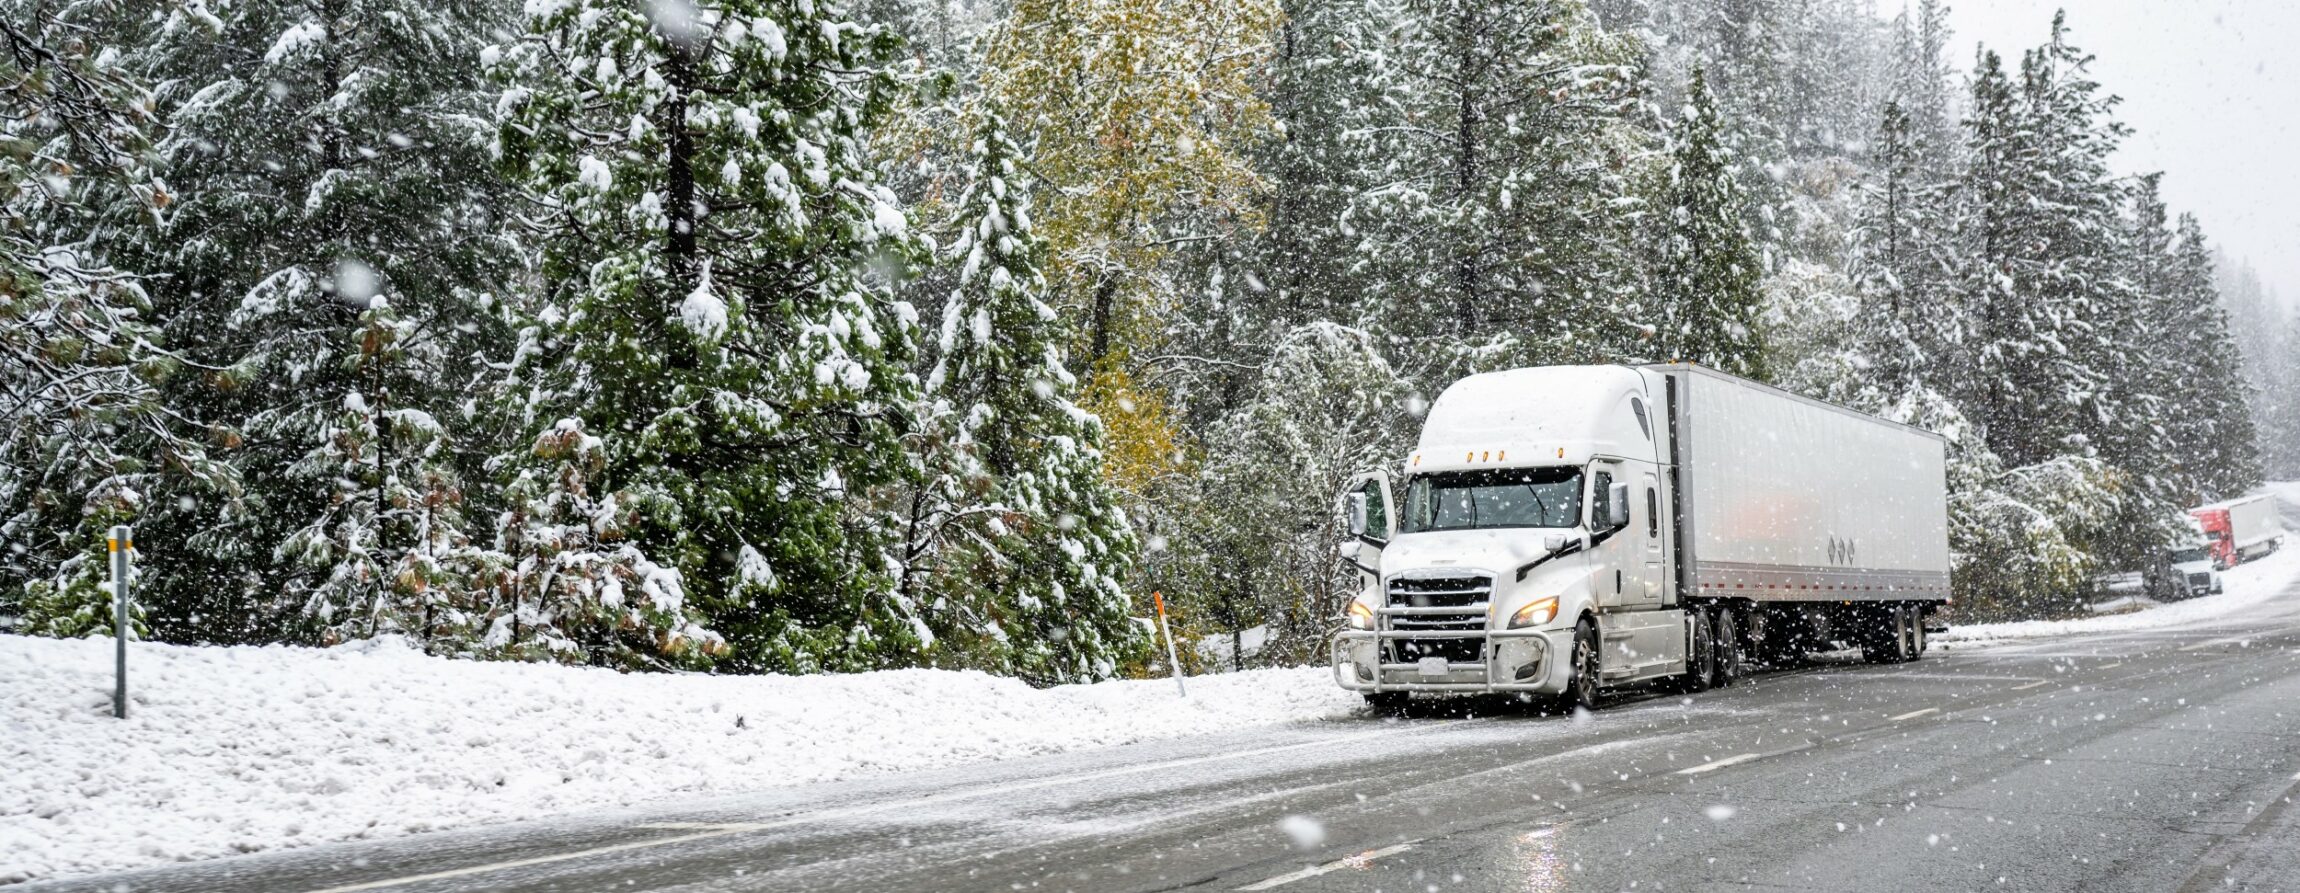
1516 660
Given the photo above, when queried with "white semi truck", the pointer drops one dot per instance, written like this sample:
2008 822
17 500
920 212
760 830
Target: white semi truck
1563 530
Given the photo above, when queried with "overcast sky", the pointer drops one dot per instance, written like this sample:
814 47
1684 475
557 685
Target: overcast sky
2212 91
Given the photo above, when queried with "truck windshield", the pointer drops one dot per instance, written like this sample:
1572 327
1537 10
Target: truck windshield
2184 556
1502 497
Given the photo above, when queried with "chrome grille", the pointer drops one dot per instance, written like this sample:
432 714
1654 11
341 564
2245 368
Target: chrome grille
1447 604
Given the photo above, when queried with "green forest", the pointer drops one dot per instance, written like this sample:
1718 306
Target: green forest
806 336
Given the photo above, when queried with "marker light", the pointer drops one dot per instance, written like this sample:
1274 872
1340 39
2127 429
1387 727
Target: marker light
1535 613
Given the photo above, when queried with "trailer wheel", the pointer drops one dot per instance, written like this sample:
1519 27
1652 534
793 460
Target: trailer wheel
1700 655
1917 632
1728 648
1581 688
1885 635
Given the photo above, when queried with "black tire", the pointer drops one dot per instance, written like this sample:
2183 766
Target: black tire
1583 682
1700 656
1388 703
1917 629
1728 645
1885 636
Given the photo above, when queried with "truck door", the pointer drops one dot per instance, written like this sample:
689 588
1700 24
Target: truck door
1647 526
1371 533
1615 560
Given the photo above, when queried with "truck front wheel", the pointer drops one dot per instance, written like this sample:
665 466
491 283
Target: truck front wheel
1388 703
1581 688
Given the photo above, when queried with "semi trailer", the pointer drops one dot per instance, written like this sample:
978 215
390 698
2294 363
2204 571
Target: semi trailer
1564 530
2239 530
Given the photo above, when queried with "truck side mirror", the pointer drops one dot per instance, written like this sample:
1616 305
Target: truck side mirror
1357 513
1617 505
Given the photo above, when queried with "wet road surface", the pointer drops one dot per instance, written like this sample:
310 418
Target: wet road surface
2159 760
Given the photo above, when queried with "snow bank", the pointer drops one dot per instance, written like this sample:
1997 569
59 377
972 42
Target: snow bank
231 750
2247 586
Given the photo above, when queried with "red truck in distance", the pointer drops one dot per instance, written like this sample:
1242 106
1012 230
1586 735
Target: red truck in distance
2239 530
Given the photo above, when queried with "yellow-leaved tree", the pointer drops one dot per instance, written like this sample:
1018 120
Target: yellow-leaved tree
1138 112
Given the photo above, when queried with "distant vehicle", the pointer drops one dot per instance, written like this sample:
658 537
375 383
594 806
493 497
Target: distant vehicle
2194 569
2240 529
1567 529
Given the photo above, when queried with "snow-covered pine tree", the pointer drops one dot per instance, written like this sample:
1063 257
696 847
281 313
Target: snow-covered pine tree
1500 210
572 584
703 195
1909 323
1706 265
391 550
2213 438
1305 265
1016 544
2138 382
85 437
2280 423
323 152
2039 214
1921 82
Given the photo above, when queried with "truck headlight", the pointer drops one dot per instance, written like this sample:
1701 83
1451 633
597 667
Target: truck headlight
1535 613
1360 616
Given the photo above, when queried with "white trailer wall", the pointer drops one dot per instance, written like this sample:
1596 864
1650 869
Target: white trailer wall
1790 499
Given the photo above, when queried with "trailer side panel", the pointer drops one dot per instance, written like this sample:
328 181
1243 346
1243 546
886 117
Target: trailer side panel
1794 500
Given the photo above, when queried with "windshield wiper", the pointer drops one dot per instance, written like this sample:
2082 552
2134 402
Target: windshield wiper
1527 568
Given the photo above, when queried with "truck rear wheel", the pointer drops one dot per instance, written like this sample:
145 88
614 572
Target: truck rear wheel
1885 635
1728 648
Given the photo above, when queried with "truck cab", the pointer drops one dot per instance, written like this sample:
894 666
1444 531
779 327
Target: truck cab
2194 572
1534 503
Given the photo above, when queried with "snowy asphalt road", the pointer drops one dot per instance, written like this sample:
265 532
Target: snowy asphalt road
2163 760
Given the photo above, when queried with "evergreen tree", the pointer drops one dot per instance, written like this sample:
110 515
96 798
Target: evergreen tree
325 156
1910 327
1500 215
710 221
86 436
1707 266
571 583
1016 544
2040 212
2213 439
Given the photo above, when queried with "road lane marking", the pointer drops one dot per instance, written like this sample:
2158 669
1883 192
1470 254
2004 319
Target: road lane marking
1360 860
2032 685
1715 765
1913 714
890 806
719 831
2231 640
2112 666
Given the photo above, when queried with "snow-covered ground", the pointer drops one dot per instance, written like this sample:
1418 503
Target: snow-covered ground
2247 586
231 750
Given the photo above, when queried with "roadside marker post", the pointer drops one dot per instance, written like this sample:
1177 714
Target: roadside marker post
1172 660
122 543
